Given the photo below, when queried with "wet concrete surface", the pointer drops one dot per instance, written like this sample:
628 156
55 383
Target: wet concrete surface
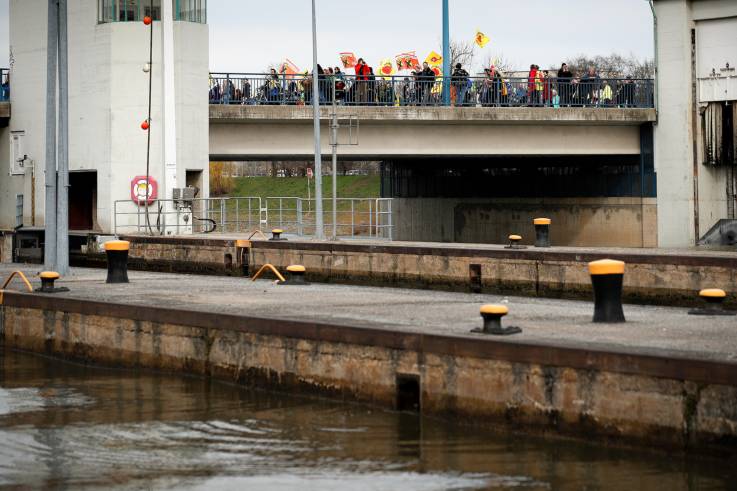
662 331
66 426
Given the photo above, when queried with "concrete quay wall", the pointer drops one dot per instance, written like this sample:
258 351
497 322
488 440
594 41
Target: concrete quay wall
678 403
657 278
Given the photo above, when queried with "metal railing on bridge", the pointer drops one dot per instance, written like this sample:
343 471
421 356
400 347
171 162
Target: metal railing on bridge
356 217
262 89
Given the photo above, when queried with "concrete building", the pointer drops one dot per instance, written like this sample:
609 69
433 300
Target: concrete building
108 101
695 139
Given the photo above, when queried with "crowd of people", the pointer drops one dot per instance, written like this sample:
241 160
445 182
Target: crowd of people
423 86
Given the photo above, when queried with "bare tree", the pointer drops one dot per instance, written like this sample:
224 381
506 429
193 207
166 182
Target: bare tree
462 52
614 65
498 60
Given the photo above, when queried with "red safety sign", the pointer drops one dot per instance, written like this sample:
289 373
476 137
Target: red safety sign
138 190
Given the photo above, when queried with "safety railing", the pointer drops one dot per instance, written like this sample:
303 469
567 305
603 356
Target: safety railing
4 84
355 217
177 217
493 91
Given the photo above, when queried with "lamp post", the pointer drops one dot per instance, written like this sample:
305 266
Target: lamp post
51 115
446 54
319 232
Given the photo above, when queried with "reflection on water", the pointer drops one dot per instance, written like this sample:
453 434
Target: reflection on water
66 426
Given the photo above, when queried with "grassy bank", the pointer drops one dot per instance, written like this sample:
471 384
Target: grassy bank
348 187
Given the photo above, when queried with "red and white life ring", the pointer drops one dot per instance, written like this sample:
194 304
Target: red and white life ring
138 190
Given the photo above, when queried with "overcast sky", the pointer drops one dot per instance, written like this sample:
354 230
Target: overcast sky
249 35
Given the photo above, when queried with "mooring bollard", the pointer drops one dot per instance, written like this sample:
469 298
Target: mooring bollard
276 235
242 247
607 276
296 275
492 316
47 281
117 261
542 232
714 298
514 242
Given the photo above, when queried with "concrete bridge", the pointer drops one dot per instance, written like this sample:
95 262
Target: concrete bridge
243 132
478 174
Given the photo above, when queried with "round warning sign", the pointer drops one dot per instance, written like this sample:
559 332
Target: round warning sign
138 190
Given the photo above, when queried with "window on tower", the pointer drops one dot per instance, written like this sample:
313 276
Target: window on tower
135 10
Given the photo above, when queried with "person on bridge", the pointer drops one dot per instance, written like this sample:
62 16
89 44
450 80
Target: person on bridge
371 91
362 77
531 82
427 79
590 86
339 85
460 85
564 84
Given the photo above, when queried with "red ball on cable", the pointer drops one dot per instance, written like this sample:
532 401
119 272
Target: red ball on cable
145 125
147 20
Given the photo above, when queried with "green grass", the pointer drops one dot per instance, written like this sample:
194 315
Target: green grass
348 187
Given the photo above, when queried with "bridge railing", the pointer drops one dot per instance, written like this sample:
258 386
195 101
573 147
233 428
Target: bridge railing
4 84
355 217
263 89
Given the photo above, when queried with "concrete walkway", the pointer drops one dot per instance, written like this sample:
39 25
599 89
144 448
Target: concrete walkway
660 331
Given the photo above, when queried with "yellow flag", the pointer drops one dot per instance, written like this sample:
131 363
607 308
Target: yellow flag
386 68
434 59
482 39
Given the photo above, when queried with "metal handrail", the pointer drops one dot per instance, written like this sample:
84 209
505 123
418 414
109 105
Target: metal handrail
472 91
356 217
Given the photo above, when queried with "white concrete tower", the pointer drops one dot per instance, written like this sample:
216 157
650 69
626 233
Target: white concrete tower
108 101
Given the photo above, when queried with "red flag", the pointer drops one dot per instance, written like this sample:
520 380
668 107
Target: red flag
407 61
348 59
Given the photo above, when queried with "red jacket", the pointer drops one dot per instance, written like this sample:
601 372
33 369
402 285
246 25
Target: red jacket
362 72
531 80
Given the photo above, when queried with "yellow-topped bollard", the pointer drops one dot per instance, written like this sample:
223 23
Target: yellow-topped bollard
492 317
276 235
542 232
117 260
296 275
607 276
47 281
714 298
514 242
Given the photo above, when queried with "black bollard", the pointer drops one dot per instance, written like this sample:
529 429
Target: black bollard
542 232
606 277
714 298
276 235
47 281
492 316
242 247
296 275
117 260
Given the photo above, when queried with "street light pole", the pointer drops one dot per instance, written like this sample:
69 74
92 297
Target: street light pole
446 54
50 167
319 231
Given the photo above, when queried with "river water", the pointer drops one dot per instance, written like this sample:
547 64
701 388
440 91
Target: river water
64 426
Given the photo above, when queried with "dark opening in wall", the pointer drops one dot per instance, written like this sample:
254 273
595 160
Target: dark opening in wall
408 393
518 177
228 261
474 277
